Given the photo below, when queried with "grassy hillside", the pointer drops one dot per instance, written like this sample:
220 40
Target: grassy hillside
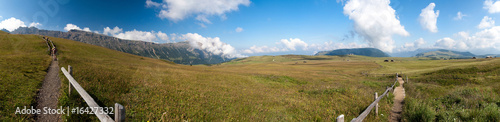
151 89
261 88
464 93
23 63
180 52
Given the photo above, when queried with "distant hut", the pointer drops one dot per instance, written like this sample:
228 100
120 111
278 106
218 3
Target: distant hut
473 57
489 57
392 60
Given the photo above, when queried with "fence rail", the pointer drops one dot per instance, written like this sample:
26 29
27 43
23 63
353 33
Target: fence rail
119 110
374 104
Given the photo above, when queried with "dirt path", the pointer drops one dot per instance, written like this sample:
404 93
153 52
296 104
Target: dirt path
49 94
399 95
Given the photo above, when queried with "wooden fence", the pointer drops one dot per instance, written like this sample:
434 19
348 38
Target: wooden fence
374 104
119 110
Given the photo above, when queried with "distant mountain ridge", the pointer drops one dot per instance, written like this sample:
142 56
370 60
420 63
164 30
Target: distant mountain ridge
180 52
372 52
445 54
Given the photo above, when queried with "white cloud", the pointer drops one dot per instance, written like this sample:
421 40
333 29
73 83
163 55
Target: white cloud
87 29
176 10
263 49
375 21
114 31
137 35
486 23
428 18
484 40
35 24
70 26
445 43
293 43
492 7
333 46
414 45
239 29
150 3
162 36
213 45
11 24
459 16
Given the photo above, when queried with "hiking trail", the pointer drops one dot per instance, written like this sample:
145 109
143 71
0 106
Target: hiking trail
399 95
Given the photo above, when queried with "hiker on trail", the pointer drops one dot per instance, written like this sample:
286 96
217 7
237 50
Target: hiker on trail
53 51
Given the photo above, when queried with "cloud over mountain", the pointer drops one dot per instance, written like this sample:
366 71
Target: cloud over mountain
11 24
375 21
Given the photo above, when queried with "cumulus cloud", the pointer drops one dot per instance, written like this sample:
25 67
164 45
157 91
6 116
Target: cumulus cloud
333 46
459 16
176 10
375 21
483 40
35 24
486 23
213 45
137 35
287 45
408 46
293 43
70 26
239 29
11 24
428 18
492 7
162 36
449 43
114 31
148 36
263 49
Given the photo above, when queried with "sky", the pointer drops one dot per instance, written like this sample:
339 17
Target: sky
240 28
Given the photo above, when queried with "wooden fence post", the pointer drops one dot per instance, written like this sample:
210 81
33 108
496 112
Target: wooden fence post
387 87
119 113
407 81
340 118
376 106
70 70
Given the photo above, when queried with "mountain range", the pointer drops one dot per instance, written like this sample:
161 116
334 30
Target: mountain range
180 52
445 54
372 52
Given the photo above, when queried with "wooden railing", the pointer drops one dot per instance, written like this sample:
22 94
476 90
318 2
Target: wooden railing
119 110
374 104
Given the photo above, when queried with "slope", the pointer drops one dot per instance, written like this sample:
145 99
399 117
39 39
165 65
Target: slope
23 63
152 89
181 52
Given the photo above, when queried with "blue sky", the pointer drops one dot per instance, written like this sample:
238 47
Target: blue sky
270 27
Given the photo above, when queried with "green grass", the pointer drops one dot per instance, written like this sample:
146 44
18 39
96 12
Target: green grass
260 89
23 65
468 93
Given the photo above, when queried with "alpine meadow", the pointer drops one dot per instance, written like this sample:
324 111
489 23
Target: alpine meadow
250 60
